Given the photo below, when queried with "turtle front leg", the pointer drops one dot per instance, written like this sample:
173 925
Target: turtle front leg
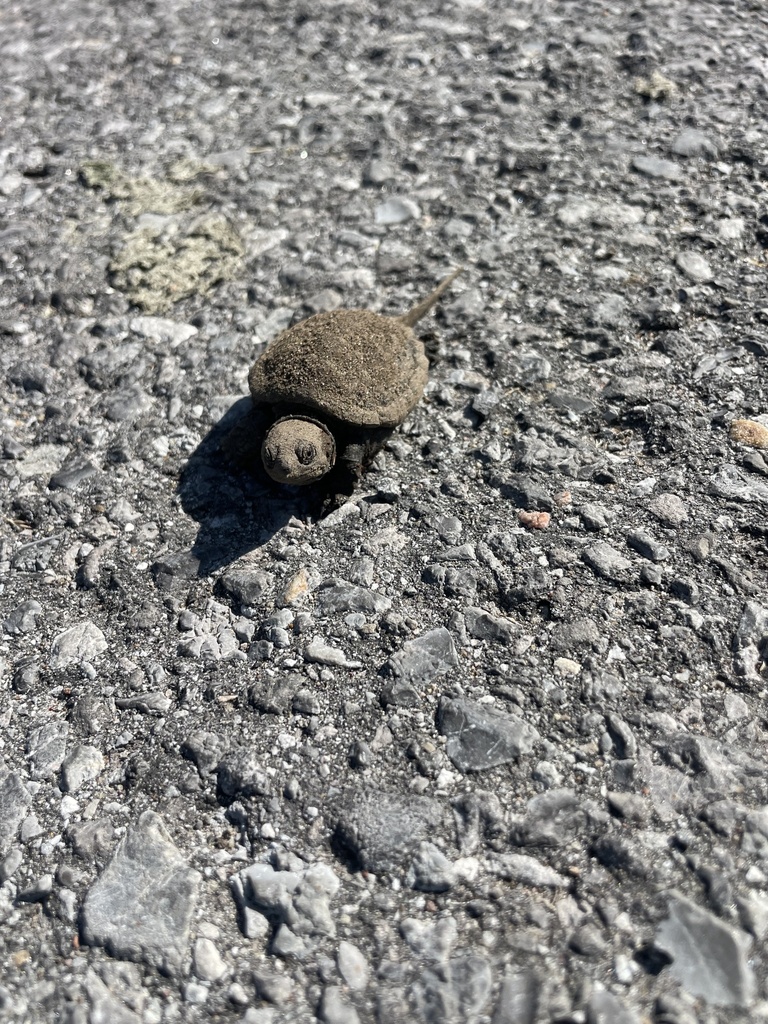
344 477
355 459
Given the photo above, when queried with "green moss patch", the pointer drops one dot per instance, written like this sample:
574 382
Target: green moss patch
156 268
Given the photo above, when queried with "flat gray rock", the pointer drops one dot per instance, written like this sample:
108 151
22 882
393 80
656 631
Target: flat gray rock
605 1008
14 801
397 211
695 267
607 562
480 737
295 903
657 167
82 642
335 1007
46 747
709 957
734 484
140 907
518 998
70 477
430 870
169 332
423 659
83 764
527 870
339 596
484 626
456 992
692 143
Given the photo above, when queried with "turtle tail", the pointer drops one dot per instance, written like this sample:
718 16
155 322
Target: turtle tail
414 315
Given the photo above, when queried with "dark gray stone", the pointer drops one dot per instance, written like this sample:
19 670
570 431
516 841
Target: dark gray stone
526 493
25 675
275 696
241 775
92 840
181 565
576 633
70 477
36 557
458 553
140 908
646 545
38 891
23 618
629 806
550 819
427 657
204 749
382 830
480 818
626 389
480 737
594 517
484 626
461 583
622 856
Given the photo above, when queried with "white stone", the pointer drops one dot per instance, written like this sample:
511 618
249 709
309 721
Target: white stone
353 966
82 642
207 961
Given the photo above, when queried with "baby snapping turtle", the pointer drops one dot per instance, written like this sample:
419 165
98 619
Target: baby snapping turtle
339 382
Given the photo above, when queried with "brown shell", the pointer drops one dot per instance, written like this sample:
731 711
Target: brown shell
360 367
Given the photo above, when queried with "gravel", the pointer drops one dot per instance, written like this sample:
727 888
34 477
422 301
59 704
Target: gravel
485 739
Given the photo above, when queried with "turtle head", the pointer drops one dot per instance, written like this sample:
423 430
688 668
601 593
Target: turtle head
298 450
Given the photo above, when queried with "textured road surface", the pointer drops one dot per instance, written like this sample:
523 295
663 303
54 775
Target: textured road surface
487 743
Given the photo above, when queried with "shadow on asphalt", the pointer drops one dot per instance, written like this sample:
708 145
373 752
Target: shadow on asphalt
224 488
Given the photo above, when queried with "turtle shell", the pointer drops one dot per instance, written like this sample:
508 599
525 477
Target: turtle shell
359 367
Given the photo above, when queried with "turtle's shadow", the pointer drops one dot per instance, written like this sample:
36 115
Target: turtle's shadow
224 488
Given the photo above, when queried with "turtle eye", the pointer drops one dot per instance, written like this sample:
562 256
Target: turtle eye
270 456
306 452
